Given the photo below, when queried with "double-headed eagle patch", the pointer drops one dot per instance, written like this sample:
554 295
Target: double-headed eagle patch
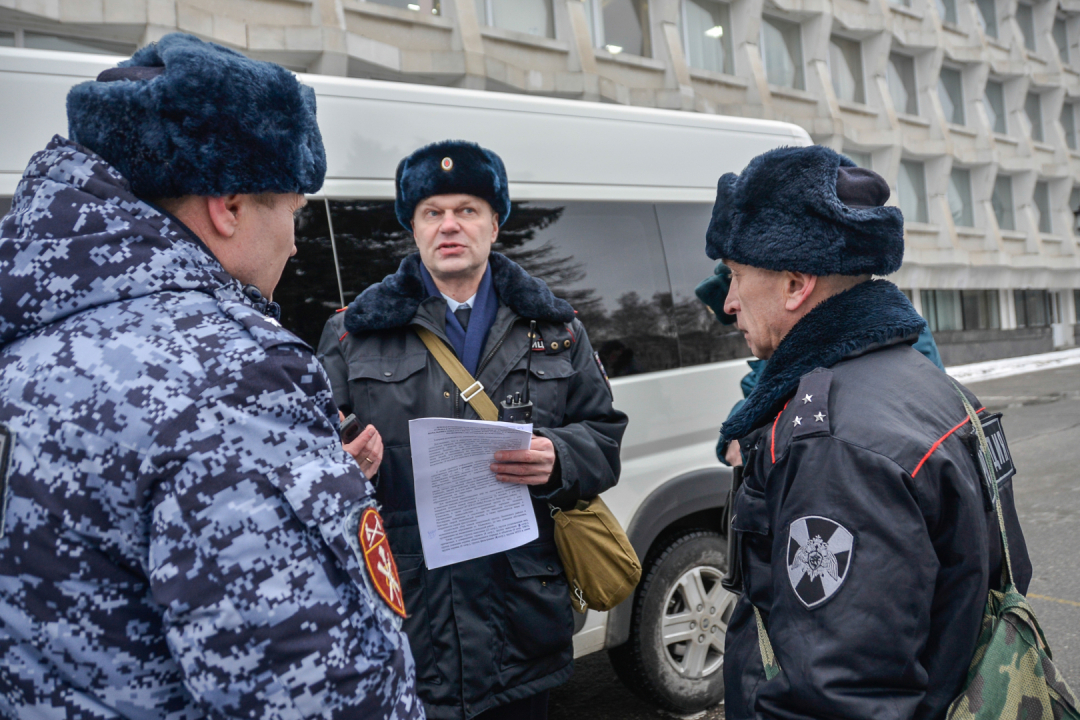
380 561
818 558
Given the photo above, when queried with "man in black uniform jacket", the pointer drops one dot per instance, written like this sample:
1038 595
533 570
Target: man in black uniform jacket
492 635
862 530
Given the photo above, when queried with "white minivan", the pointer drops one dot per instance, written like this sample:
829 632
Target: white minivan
610 207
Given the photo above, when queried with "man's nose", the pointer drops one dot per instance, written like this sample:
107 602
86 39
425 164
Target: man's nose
449 222
731 302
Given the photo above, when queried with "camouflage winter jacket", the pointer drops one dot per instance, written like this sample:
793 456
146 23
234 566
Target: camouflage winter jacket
176 539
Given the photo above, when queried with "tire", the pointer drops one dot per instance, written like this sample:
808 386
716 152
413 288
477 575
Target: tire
685 672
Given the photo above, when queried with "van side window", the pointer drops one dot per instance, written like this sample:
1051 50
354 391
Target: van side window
604 258
701 338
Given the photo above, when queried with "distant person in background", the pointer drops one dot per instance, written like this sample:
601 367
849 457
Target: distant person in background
183 535
713 291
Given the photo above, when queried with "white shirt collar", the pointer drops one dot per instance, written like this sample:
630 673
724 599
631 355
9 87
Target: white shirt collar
454 304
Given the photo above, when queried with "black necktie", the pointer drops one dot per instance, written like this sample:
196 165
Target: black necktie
462 315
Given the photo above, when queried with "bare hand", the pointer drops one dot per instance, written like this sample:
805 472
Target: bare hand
526 467
733 454
366 449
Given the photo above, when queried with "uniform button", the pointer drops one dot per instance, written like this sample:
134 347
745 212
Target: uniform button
544 583
554 346
551 568
539 372
388 373
566 343
446 394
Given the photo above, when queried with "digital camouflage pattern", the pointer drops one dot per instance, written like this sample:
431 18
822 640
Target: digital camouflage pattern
177 539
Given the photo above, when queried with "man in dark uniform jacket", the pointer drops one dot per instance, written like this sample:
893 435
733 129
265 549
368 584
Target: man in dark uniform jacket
863 532
492 635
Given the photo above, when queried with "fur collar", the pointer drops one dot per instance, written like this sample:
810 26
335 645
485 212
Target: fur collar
864 318
393 302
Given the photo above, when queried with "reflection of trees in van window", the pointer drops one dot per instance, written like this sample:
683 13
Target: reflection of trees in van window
701 338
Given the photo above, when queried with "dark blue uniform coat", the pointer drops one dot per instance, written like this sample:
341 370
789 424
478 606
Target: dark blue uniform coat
863 532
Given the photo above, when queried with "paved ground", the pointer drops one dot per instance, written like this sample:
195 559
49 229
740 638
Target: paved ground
1042 424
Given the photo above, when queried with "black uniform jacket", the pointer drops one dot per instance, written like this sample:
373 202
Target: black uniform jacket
495 629
866 539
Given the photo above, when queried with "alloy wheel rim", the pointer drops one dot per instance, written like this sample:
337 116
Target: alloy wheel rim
692 629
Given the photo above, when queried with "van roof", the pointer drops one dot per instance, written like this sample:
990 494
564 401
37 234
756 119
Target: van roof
554 149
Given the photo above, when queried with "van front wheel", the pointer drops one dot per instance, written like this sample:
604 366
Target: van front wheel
675 654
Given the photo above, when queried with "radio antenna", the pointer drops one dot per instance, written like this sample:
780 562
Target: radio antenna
528 358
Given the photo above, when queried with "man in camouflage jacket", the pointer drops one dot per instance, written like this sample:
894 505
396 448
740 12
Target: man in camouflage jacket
179 534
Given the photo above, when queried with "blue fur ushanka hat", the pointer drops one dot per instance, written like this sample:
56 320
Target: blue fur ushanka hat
451 167
806 209
187 117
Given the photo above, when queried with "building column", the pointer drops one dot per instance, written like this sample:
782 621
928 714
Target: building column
1008 310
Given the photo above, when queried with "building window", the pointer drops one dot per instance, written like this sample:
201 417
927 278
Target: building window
901 79
1025 18
707 34
1061 39
845 65
862 159
1032 308
1074 206
7 39
531 17
912 191
961 309
947 10
1076 303
951 94
1068 124
995 106
959 195
428 7
901 3
1041 196
981 309
619 25
987 17
1002 201
1033 111
781 42
942 309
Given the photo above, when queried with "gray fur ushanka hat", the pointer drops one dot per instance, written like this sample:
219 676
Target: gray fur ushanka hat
806 209
187 117
451 167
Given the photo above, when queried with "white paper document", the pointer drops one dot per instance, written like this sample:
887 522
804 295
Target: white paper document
463 510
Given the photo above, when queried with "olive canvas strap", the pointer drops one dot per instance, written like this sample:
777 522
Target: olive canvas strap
768 657
471 390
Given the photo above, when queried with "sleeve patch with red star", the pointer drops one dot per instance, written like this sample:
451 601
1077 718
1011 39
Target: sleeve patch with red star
380 561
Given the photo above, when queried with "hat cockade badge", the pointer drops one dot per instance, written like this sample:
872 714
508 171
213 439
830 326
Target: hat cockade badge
447 164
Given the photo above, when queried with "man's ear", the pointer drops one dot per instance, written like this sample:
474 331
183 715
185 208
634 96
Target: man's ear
224 213
495 228
798 287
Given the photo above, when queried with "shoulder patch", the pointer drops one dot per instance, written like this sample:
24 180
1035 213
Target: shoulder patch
379 561
1000 456
819 556
810 405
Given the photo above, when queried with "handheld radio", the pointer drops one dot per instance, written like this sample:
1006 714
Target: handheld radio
517 408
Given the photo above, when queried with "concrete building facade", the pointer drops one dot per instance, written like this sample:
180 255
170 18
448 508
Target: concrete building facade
969 108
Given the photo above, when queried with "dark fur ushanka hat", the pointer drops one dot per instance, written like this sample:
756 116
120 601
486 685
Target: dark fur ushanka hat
783 213
451 167
187 117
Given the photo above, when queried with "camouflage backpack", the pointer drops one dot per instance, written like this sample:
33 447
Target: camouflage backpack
1011 674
